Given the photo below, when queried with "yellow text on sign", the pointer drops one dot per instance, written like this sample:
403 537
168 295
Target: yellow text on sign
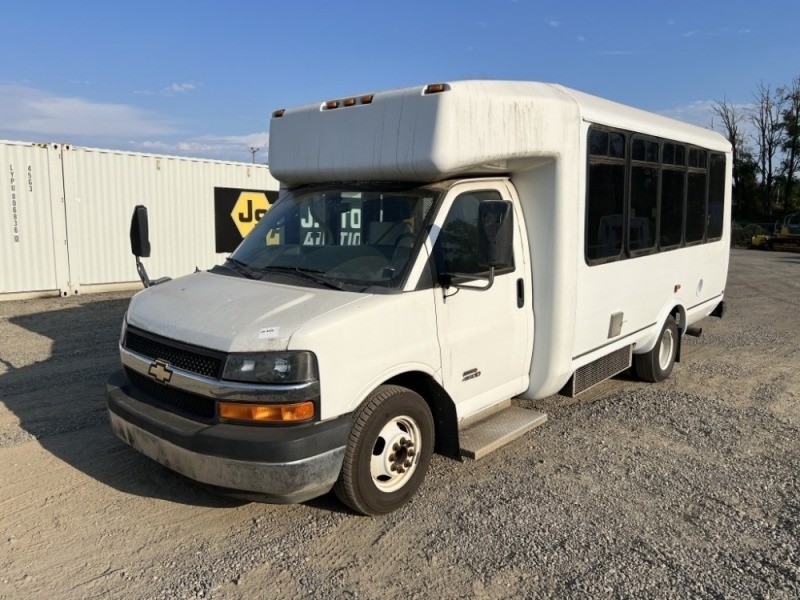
248 210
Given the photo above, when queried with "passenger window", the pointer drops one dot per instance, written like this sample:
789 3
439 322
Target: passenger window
696 208
457 244
604 227
598 142
716 196
617 145
644 202
672 196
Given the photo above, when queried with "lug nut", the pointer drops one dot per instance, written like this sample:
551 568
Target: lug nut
396 447
407 464
392 457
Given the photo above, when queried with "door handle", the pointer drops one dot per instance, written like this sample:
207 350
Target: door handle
520 293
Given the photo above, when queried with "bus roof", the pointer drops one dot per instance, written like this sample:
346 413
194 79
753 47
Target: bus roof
429 133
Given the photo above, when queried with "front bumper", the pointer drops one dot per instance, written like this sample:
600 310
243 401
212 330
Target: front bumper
275 464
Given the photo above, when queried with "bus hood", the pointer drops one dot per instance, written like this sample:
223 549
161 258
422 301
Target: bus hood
231 314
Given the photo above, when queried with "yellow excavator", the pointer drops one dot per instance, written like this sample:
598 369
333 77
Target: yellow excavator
786 235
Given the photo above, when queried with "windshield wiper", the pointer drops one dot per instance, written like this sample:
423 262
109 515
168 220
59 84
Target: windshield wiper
244 269
308 274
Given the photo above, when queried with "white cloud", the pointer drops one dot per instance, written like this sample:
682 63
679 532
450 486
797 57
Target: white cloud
223 147
29 110
172 89
698 112
554 23
182 88
690 33
581 39
701 113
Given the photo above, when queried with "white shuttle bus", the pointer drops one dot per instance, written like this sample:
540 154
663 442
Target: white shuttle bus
436 251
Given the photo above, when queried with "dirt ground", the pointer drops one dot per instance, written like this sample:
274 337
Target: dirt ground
685 488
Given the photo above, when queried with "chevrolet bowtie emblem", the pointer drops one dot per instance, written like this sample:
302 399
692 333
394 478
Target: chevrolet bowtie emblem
159 371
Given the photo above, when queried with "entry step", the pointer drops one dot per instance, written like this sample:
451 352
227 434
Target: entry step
497 430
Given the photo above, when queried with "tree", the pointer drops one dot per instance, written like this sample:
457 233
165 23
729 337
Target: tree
749 191
765 117
790 143
731 119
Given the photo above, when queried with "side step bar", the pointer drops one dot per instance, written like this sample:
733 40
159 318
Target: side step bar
497 430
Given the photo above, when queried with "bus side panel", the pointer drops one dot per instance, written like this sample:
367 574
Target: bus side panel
645 290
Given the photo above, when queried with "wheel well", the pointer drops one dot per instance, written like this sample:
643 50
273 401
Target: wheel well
441 405
679 314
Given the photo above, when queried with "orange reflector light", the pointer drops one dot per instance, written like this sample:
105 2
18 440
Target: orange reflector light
278 113
267 413
330 104
349 102
435 88
366 99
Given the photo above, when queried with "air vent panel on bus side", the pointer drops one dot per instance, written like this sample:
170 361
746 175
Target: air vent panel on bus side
603 368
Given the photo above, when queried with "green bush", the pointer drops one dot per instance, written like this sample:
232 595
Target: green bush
742 234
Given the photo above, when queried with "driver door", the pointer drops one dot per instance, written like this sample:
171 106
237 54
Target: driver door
485 336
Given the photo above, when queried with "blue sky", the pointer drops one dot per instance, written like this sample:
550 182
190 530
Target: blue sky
201 78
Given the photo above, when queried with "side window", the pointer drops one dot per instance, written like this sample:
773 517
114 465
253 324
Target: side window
696 208
605 201
457 244
643 207
716 196
673 192
660 195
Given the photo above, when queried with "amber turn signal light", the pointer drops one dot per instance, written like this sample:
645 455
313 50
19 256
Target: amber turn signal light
267 413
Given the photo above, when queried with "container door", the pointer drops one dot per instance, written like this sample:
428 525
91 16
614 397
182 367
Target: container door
33 251
485 335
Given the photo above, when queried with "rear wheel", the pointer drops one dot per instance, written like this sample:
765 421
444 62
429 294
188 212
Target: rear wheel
657 364
388 451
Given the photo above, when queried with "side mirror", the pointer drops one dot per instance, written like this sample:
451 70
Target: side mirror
496 234
140 244
140 234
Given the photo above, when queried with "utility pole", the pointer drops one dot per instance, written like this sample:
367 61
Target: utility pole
253 149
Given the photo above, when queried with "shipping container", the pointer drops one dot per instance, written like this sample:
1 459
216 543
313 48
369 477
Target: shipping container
65 212
32 226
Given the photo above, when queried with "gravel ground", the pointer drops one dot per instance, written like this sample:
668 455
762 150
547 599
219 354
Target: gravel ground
687 488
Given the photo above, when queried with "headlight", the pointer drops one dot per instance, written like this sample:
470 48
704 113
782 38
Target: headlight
271 367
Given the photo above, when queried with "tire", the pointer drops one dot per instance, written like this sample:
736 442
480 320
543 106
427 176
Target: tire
388 451
657 364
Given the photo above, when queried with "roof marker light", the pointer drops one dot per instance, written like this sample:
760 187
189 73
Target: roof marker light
349 102
366 99
331 104
436 88
278 113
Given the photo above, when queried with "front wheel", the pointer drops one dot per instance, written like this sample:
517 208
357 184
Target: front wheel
657 364
388 451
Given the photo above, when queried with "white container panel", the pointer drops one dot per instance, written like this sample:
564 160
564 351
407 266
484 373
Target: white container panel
102 188
32 237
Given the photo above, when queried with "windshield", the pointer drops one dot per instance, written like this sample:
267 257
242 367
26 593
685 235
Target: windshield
348 237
